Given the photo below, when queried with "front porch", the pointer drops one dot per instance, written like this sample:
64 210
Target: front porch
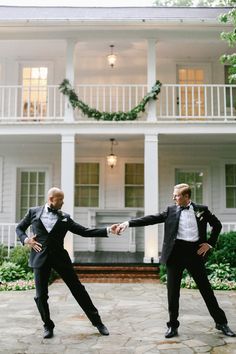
112 267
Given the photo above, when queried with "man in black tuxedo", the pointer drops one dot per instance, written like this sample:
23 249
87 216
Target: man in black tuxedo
49 226
184 247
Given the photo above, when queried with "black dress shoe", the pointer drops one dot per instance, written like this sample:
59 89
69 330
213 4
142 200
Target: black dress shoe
225 329
102 329
171 332
48 332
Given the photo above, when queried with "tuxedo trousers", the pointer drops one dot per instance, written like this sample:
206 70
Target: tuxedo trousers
184 256
67 273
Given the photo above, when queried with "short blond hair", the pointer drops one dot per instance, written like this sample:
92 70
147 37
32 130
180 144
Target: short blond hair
183 188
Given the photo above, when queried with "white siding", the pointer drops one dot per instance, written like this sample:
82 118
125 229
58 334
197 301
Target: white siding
25 155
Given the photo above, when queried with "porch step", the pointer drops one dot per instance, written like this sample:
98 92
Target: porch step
117 273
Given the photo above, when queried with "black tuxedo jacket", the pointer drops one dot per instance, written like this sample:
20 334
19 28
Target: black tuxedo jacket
171 219
53 241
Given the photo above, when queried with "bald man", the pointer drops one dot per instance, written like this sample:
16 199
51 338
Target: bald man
49 227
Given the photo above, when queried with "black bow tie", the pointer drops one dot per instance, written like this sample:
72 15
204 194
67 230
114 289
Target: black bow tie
184 207
54 211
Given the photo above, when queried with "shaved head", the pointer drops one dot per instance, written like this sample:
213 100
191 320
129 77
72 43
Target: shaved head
54 191
55 198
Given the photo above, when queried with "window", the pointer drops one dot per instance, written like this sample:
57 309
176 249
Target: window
134 185
230 185
194 179
34 96
32 190
87 184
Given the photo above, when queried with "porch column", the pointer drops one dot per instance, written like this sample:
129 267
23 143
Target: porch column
70 73
151 204
151 76
67 182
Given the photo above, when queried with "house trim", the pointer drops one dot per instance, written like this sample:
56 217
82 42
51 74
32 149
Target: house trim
1 182
224 210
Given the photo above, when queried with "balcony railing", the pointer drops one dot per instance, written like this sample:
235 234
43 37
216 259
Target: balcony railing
20 103
175 102
197 102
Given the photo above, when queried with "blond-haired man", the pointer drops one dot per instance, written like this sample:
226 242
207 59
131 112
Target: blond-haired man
184 247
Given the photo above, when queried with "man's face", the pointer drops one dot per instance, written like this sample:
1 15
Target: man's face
180 199
56 201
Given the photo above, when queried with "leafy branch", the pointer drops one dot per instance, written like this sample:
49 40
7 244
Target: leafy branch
66 88
230 37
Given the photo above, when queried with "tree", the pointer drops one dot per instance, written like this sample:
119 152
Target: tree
230 37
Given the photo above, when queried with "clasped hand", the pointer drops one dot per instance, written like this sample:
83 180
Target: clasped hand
118 229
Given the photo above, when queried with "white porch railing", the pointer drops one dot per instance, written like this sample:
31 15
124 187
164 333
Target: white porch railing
20 103
111 98
197 102
8 236
175 102
9 239
227 227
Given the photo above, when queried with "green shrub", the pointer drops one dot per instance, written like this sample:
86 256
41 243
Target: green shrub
10 272
222 271
162 273
20 256
222 277
224 251
3 253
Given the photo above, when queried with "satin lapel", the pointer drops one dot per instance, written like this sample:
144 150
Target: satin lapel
177 212
39 212
195 208
38 216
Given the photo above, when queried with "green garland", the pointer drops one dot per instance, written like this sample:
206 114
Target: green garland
75 102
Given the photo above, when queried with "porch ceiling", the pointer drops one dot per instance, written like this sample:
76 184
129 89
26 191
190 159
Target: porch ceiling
91 53
95 140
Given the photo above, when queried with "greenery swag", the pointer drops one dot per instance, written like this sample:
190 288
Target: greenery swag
75 102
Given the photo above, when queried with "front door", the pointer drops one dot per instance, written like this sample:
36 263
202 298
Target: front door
191 96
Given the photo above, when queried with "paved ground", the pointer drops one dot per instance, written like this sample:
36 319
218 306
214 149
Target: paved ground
134 313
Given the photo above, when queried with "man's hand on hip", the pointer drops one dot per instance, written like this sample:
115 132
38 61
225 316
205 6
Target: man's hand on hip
203 249
32 243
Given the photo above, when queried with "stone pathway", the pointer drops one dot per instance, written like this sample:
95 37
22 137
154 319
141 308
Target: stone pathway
135 315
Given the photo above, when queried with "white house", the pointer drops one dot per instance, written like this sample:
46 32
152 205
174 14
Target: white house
187 135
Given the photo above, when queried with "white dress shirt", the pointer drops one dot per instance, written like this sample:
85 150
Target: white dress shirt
188 230
48 219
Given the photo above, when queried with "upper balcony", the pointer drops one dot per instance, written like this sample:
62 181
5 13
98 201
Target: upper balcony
176 102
